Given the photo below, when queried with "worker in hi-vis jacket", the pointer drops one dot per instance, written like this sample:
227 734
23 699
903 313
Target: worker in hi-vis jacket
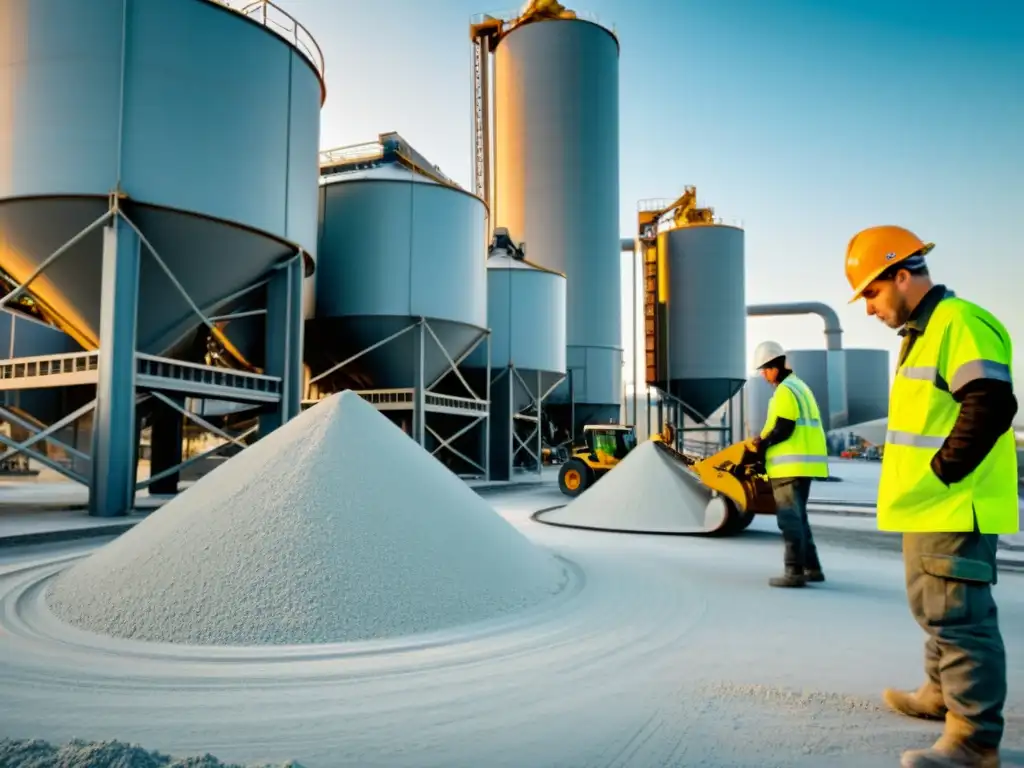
793 448
949 485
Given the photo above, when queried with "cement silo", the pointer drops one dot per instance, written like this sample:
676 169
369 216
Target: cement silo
401 295
867 384
705 309
526 314
154 183
556 180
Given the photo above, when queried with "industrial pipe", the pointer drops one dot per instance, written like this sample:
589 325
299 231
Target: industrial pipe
833 331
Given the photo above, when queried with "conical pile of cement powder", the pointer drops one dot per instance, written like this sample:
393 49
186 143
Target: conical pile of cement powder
336 527
648 492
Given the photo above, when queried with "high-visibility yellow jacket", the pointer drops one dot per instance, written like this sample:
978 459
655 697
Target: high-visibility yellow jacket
961 343
805 452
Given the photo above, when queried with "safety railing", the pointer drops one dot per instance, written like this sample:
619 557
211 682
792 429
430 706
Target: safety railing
285 26
365 152
453 402
511 19
389 147
41 366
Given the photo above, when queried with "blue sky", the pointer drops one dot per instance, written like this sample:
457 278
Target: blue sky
807 119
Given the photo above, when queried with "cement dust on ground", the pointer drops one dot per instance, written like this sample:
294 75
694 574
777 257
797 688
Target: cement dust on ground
674 652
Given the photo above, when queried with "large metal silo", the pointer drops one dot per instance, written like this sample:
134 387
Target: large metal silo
526 314
556 187
158 160
706 315
867 384
401 295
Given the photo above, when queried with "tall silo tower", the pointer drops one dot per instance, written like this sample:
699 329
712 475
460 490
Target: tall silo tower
145 185
401 296
551 177
694 314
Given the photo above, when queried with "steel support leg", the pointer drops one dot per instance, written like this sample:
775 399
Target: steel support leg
502 426
165 446
489 421
284 343
112 490
538 395
419 411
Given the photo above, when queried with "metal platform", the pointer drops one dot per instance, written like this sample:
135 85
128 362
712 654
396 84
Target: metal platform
151 373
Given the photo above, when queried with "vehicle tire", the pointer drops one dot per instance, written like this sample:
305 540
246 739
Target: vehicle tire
574 478
744 520
735 520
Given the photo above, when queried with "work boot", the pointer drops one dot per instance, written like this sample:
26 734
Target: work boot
926 702
950 752
814 574
793 577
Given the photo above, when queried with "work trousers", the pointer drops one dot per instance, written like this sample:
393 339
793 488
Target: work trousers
949 587
791 494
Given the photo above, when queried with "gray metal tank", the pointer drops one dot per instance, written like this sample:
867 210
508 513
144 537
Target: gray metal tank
205 119
395 246
867 384
526 314
707 314
556 156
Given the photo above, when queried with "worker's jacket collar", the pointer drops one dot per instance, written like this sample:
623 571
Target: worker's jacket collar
918 320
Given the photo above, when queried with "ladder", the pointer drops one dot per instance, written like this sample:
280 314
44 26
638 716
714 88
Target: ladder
481 119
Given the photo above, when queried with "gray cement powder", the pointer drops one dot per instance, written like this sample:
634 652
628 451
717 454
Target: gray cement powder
646 492
35 753
336 527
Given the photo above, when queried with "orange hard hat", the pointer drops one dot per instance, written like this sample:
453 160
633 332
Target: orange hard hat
872 251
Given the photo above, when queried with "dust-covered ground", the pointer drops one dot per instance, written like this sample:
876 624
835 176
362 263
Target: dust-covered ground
671 652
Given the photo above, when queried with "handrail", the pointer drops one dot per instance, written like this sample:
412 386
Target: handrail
276 19
389 147
511 19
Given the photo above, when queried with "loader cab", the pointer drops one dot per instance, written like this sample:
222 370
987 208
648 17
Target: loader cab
603 447
613 440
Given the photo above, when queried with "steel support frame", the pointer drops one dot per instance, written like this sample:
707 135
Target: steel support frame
421 388
45 434
112 482
533 444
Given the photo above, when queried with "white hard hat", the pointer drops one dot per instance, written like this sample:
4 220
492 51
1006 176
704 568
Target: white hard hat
766 352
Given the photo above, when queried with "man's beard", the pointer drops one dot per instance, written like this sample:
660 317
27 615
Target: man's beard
901 313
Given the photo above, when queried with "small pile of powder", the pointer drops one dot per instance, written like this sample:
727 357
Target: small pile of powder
648 492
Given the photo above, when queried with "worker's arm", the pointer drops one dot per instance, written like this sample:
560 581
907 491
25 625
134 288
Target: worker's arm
781 432
781 419
978 374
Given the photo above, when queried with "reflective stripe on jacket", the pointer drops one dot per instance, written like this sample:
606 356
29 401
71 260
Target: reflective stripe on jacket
804 453
960 344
